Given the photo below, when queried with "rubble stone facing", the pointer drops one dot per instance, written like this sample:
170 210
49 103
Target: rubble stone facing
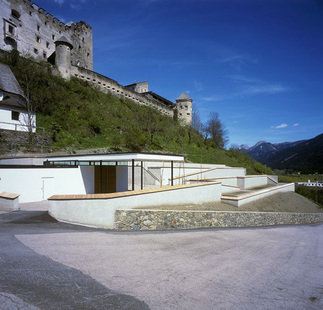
21 137
170 220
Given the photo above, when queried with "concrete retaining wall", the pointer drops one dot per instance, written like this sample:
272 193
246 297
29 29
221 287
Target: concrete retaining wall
252 181
98 210
167 220
240 200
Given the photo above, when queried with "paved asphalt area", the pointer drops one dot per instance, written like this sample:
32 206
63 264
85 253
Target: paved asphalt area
49 265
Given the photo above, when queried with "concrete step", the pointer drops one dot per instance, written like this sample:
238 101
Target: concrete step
242 197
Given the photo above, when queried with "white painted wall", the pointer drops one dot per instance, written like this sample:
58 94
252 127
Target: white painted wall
122 179
252 181
7 123
87 173
100 212
36 184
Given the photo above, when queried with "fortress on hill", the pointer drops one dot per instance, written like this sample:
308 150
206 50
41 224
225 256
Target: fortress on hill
34 32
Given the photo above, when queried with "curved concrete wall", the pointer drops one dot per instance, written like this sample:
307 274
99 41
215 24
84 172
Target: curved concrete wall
98 210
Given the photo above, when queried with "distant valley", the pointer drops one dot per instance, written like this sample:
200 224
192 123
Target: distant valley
305 156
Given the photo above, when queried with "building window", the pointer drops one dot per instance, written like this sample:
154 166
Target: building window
11 30
35 50
53 36
47 45
15 14
30 13
38 39
15 115
44 55
38 27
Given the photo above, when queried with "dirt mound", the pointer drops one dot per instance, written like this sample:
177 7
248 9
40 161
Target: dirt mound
280 202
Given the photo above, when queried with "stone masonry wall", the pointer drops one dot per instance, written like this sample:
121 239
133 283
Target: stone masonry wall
22 138
31 30
170 220
107 85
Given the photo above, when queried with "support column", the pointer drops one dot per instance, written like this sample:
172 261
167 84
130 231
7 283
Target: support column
172 174
142 176
101 176
133 174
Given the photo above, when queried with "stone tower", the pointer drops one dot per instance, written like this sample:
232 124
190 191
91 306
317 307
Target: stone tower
184 108
63 57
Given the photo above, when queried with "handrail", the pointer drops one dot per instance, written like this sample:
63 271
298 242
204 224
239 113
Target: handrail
151 174
22 125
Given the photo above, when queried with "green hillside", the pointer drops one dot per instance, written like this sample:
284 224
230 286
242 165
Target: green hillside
81 116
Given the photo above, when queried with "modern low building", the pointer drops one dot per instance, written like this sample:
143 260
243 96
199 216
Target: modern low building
36 179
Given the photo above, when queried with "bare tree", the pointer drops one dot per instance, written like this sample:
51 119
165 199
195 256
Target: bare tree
196 120
215 129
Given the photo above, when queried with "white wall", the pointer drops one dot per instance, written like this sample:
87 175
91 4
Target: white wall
87 173
36 184
100 212
252 181
5 117
122 179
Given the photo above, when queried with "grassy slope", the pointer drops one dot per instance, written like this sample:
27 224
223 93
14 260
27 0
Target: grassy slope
80 116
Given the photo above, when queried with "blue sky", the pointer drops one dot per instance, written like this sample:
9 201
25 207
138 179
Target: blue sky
258 63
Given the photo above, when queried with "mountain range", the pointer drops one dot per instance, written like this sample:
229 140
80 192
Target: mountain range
305 156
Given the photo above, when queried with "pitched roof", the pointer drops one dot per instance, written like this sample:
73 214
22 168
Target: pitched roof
13 102
63 39
184 96
8 82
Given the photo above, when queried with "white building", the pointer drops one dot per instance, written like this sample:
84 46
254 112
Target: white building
14 114
37 179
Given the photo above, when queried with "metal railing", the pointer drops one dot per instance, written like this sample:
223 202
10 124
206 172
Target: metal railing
16 126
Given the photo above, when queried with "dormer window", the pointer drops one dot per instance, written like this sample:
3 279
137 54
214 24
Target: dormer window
15 14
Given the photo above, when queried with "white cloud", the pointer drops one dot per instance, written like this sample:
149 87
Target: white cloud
279 126
251 86
296 124
264 89
74 4
59 2
238 62
198 85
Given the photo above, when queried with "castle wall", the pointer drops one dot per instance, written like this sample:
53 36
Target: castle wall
107 85
32 31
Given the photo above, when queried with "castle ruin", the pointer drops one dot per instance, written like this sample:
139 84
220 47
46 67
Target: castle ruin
34 32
